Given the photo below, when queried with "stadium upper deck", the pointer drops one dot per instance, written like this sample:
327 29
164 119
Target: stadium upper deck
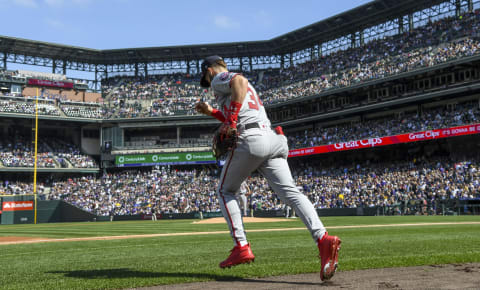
438 42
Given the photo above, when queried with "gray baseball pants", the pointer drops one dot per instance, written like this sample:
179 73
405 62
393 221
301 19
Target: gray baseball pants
266 151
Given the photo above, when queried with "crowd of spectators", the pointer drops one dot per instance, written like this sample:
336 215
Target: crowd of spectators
165 95
423 57
19 153
183 191
28 107
437 42
157 95
54 153
95 111
433 118
434 43
136 192
18 187
65 151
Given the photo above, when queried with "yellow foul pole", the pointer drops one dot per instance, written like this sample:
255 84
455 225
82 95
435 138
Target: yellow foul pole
35 165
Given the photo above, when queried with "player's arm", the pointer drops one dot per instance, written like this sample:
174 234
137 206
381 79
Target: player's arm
239 86
206 109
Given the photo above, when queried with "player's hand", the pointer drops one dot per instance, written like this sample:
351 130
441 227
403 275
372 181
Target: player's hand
203 108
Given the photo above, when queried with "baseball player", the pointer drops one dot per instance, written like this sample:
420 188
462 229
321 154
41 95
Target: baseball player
242 197
258 148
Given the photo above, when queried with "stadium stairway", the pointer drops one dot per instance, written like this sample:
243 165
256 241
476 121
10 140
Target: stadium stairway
119 83
62 113
260 77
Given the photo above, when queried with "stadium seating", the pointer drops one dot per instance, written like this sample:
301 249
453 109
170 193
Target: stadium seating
54 153
176 191
433 118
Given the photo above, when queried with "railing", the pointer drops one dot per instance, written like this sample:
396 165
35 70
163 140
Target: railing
433 207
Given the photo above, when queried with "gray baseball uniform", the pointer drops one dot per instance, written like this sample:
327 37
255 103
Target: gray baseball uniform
258 148
242 198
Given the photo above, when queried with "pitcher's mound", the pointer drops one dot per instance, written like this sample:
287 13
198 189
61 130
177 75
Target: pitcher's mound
221 220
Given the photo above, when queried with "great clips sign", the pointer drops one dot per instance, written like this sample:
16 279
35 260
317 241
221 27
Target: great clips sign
47 83
17 205
389 140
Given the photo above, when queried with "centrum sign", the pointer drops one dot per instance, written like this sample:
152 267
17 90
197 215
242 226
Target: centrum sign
164 159
389 140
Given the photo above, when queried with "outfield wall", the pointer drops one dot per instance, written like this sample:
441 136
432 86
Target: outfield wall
20 209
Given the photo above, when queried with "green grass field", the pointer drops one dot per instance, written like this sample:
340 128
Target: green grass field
178 259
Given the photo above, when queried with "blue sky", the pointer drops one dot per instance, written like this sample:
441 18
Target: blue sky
111 24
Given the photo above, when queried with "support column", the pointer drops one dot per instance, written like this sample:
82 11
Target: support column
179 132
282 61
188 67
458 6
64 67
320 50
410 22
291 59
95 83
470 5
400 25
241 63
5 61
352 40
362 37
146 70
136 69
54 66
250 63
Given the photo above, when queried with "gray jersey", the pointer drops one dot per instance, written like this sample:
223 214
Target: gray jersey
252 110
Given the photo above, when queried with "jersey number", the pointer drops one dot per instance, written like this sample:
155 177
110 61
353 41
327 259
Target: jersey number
255 101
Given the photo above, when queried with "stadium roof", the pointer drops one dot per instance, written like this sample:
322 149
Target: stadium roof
367 15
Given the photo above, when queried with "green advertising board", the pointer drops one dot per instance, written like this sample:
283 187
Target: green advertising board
164 159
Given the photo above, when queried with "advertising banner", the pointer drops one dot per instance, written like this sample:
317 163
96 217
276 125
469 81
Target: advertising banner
47 83
164 159
17 205
389 140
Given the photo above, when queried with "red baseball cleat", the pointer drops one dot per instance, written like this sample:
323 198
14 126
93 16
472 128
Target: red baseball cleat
328 247
238 255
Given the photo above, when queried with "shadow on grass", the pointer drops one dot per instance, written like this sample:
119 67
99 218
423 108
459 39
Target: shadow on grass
128 273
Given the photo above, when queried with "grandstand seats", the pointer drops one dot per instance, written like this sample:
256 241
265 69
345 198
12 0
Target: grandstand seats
54 153
177 191
434 43
432 118
166 95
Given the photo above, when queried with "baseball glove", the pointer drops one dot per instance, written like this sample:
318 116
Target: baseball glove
224 140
